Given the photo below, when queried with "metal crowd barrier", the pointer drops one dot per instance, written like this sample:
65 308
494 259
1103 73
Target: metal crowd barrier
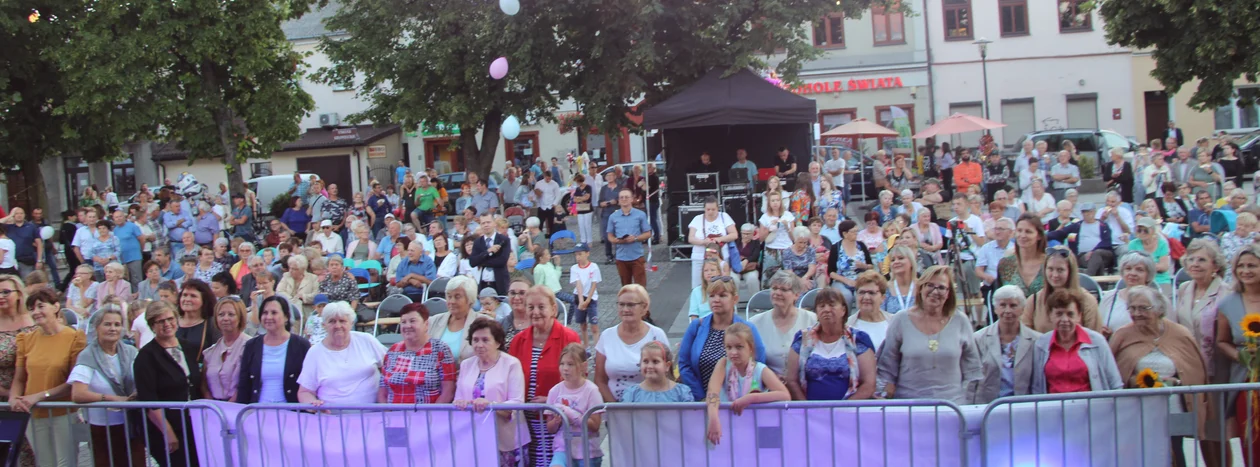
231 435
1143 430
803 433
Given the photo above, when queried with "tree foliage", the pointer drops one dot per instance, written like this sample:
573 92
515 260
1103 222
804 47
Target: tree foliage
218 76
426 61
1213 41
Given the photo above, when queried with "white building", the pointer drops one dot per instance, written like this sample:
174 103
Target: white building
1049 66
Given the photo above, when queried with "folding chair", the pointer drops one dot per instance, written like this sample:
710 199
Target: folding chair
807 300
760 302
1091 286
390 339
436 289
389 308
436 306
562 235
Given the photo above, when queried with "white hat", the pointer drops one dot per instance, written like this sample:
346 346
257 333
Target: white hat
325 223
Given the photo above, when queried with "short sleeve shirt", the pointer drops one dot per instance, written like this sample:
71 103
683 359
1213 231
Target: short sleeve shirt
705 228
583 277
416 377
633 224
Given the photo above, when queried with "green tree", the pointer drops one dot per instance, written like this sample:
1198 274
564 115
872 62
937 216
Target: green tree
1214 41
34 124
421 64
218 77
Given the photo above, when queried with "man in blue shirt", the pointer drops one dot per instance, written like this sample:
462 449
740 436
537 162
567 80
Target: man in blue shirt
162 256
28 247
627 229
400 173
742 162
177 221
128 234
385 246
242 218
415 272
483 200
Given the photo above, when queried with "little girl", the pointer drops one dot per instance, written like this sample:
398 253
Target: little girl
547 273
574 396
740 380
657 367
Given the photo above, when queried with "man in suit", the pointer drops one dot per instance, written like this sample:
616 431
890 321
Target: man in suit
1174 132
491 252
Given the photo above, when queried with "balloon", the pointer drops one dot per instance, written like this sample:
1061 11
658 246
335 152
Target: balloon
511 7
511 127
499 68
46 232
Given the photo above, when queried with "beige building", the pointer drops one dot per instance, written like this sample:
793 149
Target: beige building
1154 107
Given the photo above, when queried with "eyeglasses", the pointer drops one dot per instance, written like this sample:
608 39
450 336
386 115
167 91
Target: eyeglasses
1143 230
6 292
1141 308
628 304
936 288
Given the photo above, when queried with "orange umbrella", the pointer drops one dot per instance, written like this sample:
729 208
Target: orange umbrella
958 123
861 128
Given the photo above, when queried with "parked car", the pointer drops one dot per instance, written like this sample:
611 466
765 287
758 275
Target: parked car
270 186
1092 143
454 181
1250 146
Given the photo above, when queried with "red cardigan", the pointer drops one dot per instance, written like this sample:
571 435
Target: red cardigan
549 363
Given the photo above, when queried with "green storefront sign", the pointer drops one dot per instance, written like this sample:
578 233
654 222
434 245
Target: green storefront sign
440 129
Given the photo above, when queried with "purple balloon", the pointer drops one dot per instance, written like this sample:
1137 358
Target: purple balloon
499 68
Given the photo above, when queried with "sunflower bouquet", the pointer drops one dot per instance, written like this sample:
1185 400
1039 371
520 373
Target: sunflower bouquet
1148 378
1249 352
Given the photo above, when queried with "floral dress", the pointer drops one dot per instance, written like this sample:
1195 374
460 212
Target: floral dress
847 265
801 206
831 200
8 369
799 263
1008 274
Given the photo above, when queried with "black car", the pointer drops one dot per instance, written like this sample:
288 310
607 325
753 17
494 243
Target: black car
1250 146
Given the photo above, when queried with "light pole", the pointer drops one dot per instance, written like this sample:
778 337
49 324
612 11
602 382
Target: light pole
984 70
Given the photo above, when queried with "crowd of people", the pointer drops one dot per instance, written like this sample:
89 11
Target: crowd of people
168 300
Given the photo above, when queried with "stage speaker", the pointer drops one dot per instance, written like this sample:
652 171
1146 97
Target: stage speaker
737 208
686 213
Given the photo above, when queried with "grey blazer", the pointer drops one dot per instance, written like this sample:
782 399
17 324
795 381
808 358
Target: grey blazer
1103 374
990 346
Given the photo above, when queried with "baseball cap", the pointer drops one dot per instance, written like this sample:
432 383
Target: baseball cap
321 299
582 247
488 292
1087 206
1148 222
325 223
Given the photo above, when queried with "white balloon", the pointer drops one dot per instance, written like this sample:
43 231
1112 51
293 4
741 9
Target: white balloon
511 127
46 232
511 7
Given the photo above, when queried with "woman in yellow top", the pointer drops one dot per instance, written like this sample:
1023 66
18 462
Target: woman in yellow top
44 359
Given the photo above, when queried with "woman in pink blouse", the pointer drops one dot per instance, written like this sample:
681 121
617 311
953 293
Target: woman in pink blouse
494 376
223 359
115 283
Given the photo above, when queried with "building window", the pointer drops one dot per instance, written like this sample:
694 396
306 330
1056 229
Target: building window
1014 17
829 32
1073 16
1241 114
123 177
890 28
957 19
899 118
259 169
831 118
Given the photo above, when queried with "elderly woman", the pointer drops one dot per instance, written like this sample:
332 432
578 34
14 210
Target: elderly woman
207 267
1150 240
800 258
1197 298
298 285
871 287
885 211
831 360
540 345
929 351
872 237
166 370
749 257
778 327
847 259
103 373
44 360
904 271
222 256
452 327
420 369
270 364
223 359
618 348
1005 350
703 345
345 367
240 268
115 283
147 289
340 286
930 238
1154 342
1060 272
519 318
362 247
1024 268
1246 229
1136 268
1072 358
494 376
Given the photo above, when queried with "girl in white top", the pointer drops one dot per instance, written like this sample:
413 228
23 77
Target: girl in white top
712 227
776 227
618 350
344 368
8 253
1039 202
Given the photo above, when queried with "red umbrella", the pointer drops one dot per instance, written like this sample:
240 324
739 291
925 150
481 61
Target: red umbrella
958 123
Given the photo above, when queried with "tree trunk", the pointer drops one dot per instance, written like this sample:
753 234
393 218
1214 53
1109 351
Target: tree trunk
224 120
479 158
36 190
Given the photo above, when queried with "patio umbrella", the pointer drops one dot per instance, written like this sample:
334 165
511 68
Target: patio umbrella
860 128
958 123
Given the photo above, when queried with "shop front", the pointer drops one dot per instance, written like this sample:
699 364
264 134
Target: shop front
895 99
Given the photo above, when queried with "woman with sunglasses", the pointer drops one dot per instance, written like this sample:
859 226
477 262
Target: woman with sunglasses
929 351
784 321
223 359
703 344
1150 240
1060 272
1024 268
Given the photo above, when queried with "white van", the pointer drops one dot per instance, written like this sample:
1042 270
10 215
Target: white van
270 186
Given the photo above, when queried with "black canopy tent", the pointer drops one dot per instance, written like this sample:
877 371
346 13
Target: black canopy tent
720 115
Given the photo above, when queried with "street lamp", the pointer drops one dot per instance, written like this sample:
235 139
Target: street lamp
984 70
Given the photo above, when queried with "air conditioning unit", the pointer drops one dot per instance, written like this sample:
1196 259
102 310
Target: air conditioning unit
327 120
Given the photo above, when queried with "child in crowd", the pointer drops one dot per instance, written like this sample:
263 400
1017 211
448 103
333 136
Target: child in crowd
547 273
313 330
585 275
740 380
656 364
491 305
574 396
189 266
